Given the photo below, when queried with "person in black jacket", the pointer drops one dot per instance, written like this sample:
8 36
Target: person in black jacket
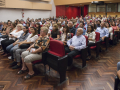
71 28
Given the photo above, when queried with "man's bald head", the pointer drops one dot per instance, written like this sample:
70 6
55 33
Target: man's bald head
79 31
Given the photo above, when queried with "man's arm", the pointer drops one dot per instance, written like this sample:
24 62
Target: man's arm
69 42
107 32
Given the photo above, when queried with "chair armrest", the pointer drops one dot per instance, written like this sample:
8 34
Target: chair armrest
63 63
116 83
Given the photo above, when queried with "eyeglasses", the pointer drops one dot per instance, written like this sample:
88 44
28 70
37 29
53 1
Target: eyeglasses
24 28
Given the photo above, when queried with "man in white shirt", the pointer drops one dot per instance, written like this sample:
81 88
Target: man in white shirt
75 45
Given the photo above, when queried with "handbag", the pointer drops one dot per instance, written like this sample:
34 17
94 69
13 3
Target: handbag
24 46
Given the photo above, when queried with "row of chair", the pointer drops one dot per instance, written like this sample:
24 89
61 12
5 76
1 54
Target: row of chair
56 59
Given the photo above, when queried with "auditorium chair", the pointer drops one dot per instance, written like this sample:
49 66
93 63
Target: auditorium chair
114 41
97 44
117 83
105 43
56 58
43 60
83 54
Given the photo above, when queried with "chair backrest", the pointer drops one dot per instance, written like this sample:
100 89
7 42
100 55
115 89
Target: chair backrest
86 39
72 35
51 38
97 36
57 48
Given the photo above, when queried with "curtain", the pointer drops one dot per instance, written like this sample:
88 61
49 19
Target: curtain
85 10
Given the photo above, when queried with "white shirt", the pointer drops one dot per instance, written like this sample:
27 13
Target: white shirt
63 36
40 23
16 34
110 30
91 35
32 39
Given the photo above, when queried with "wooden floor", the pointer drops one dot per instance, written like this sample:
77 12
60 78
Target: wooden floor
97 75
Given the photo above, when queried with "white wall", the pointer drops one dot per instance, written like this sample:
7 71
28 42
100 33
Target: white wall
13 14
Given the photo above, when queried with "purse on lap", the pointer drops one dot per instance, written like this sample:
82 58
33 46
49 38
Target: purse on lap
24 46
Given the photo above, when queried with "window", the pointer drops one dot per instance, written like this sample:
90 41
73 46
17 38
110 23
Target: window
111 7
92 8
119 7
100 8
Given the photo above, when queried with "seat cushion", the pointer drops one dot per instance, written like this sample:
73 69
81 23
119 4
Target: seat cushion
53 53
93 47
77 56
103 42
37 61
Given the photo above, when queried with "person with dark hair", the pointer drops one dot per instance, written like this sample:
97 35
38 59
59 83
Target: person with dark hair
94 26
110 29
14 46
17 52
81 25
65 35
91 39
98 23
38 27
9 23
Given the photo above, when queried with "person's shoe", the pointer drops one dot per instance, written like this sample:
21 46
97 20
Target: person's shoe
13 63
16 67
10 57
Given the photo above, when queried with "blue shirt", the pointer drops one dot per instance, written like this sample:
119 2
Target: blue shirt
1 27
86 26
79 42
84 31
103 31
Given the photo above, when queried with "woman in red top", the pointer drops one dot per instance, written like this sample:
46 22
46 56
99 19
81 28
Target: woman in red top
115 28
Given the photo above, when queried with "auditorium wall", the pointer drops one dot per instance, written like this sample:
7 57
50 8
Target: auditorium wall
12 13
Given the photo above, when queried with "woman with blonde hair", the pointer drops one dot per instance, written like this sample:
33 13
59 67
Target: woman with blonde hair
13 36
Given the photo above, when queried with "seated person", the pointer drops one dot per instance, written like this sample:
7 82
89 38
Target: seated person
81 25
15 34
17 52
110 29
115 27
65 35
55 33
71 27
14 45
75 44
88 23
91 39
103 31
34 52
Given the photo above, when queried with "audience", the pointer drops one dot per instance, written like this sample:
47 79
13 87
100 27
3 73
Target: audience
55 33
13 36
14 46
34 52
71 27
91 39
24 45
75 44
103 31
18 42
110 29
